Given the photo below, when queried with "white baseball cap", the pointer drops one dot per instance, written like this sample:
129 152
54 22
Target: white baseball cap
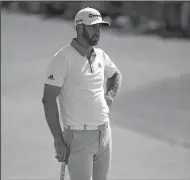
89 16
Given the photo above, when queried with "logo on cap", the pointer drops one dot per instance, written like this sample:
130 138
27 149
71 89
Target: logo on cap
94 15
79 21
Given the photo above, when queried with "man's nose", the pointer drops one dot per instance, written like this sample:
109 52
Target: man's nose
97 30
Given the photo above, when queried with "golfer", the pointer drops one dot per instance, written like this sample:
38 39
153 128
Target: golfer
74 95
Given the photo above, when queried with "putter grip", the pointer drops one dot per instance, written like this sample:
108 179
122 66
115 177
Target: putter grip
62 174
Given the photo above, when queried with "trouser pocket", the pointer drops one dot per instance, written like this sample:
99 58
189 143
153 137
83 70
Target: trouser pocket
104 137
68 138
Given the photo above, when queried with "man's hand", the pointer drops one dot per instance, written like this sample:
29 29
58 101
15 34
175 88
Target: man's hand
62 150
108 99
112 86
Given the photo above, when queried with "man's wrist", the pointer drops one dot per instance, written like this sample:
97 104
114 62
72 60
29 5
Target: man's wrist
58 138
109 95
109 99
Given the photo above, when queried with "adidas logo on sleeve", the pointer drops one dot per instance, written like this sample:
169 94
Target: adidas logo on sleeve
51 77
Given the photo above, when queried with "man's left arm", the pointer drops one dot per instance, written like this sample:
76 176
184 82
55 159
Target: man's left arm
113 85
114 80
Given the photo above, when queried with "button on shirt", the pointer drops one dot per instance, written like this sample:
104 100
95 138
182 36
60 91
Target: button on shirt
81 75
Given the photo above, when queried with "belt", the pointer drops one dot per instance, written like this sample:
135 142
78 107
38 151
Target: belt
87 127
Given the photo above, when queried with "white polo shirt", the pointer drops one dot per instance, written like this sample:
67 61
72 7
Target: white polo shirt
81 100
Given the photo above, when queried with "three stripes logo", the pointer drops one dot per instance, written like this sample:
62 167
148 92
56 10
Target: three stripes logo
99 65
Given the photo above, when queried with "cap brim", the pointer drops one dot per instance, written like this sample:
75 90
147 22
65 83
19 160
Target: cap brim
104 23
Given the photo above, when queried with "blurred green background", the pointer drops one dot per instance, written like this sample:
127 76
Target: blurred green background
169 17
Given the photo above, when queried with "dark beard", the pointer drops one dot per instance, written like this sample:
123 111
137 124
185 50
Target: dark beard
91 40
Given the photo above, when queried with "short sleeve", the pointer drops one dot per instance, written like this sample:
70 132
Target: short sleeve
57 70
109 66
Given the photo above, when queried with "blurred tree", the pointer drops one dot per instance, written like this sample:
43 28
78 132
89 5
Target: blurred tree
185 18
71 8
171 15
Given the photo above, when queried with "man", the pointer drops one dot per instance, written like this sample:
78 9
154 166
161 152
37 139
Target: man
75 78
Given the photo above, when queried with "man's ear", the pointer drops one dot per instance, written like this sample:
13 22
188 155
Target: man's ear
79 28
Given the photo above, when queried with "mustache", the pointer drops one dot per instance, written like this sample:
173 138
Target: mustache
96 36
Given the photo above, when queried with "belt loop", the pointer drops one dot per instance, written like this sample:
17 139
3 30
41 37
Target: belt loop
69 127
100 138
84 127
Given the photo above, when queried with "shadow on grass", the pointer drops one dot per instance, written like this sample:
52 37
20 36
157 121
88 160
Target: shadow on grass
161 110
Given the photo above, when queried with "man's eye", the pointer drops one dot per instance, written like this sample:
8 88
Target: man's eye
97 26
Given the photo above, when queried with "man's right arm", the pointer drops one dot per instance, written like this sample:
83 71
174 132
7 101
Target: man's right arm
56 74
51 110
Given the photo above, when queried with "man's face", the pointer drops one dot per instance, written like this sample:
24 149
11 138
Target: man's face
91 33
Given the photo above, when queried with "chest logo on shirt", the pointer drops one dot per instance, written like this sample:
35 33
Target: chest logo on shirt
96 67
99 65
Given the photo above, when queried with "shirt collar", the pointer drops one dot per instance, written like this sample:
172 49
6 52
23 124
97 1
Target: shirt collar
82 50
